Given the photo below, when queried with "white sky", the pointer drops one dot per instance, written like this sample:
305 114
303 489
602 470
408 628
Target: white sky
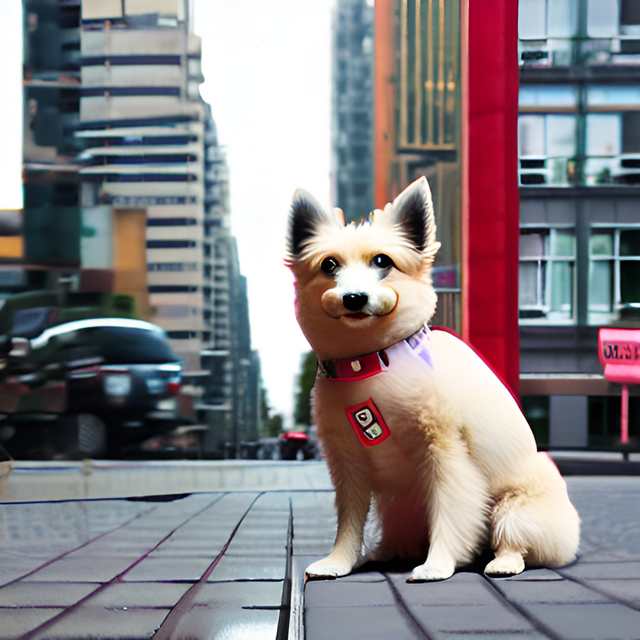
267 70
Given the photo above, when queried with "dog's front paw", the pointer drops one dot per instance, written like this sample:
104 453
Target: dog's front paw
430 571
328 568
507 564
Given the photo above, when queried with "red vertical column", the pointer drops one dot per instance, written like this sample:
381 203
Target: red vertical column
384 102
490 202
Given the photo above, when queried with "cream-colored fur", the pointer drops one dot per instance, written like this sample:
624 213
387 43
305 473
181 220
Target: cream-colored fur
460 470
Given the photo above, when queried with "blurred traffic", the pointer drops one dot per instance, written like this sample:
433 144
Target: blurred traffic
76 384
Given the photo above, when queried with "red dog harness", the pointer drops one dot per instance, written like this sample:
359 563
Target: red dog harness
364 417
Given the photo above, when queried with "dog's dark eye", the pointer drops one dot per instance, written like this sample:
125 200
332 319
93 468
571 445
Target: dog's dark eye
329 266
382 261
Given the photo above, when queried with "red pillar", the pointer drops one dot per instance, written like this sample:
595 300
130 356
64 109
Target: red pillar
490 201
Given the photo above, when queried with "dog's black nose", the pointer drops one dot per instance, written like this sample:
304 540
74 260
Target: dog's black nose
354 301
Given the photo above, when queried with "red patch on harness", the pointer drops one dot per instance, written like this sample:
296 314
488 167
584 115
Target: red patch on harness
367 422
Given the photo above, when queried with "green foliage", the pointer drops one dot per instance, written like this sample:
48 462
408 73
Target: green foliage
271 423
302 408
273 426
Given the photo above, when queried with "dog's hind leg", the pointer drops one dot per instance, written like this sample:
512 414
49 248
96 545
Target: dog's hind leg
457 509
534 521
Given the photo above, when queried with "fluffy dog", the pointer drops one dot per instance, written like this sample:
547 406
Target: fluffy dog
413 419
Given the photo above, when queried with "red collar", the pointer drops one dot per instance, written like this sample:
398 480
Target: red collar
369 364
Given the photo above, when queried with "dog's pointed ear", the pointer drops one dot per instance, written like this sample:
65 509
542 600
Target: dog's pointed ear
412 213
305 217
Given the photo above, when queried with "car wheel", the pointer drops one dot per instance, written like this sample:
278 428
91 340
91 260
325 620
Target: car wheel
91 435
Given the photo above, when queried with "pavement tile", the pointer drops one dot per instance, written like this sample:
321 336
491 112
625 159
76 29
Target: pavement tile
372 623
491 635
462 589
533 574
41 552
16 622
276 550
249 568
627 590
257 535
227 623
364 576
604 570
553 591
239 594
139 594
272 502
256 552
83 569
312 548
10 571
111 551
187 552
338 593
118 543
95 622
165 569
44 594
318 537
496 618
202 535
582 622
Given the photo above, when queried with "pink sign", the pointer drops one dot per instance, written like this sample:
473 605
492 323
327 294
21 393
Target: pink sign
619 351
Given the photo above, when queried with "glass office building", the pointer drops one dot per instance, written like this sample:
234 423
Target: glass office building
579 175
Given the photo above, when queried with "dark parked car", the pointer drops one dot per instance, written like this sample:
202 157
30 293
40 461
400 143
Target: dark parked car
88 387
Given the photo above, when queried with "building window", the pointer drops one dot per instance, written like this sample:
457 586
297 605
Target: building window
547 146
612 148
171 244
172 266
602 18
548 96
629 17
170 288
171 222
614 275
175 311
547 275
540 19
181 335
546 29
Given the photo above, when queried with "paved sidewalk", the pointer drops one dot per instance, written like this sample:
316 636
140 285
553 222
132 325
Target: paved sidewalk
230 565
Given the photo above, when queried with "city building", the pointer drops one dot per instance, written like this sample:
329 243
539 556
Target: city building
579 161
445 97
352 107
141 122
126 191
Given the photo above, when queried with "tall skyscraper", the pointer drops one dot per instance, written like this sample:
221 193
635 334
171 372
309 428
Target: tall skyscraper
352 107
126 186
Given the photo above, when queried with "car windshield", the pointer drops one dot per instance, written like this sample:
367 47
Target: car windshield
119 345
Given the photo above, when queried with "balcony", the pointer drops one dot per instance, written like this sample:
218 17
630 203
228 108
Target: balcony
619 170
550 53
547 171
585 171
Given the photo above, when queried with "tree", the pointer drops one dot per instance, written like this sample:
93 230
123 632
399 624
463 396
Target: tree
304 383
274 426
265 409
271 423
